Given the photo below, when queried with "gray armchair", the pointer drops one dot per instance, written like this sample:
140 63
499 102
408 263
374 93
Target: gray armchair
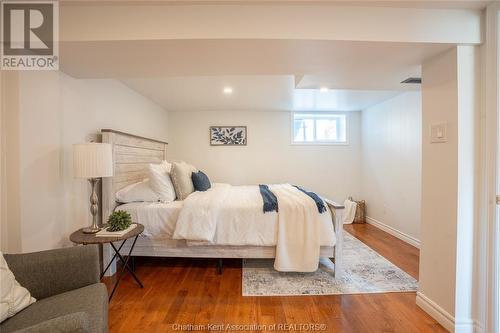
65 283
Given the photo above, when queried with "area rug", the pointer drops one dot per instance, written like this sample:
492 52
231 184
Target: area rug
365 271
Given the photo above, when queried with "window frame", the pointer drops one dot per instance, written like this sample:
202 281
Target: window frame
320 143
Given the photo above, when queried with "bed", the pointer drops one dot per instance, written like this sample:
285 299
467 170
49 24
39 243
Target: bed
131 156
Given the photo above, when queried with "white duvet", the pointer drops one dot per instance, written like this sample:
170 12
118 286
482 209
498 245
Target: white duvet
233 215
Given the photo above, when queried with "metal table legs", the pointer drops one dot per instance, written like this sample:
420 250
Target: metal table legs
125 265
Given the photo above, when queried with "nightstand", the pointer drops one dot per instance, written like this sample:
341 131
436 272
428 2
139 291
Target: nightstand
79 237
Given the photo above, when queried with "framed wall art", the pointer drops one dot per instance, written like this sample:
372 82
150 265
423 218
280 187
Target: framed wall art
228 135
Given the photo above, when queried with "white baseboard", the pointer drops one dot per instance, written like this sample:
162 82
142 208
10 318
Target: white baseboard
396 233
466 326
446 319
436 312
478 327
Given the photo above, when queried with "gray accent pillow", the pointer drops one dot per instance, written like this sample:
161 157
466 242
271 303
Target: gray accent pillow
181 178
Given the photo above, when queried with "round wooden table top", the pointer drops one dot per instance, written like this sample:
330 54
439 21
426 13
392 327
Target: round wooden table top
79 237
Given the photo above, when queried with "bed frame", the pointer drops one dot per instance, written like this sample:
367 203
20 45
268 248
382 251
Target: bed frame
131 156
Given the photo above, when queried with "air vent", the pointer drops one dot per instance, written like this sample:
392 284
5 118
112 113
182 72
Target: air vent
413 80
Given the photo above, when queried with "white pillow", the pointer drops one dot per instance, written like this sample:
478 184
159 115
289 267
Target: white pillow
137 192
181 178
13 297
159 177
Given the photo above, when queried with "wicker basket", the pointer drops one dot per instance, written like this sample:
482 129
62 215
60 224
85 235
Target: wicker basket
360 216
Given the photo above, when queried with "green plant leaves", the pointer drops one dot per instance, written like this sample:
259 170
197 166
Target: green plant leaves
119 220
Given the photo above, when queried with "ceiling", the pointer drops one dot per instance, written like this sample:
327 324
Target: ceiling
264 92
264 74
339 99
460 4
206 92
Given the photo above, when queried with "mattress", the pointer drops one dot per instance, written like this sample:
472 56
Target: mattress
158 218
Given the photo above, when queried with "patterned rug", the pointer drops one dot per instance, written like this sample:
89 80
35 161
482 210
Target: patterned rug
365 271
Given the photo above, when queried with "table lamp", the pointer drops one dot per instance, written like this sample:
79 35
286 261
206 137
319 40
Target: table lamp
93 161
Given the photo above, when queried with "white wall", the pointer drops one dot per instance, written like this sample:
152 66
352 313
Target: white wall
391 163
439 182
269 157
450 94
4 231
55 111
10 176
468 85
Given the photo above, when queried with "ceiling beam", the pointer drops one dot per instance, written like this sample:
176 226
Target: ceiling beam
153 21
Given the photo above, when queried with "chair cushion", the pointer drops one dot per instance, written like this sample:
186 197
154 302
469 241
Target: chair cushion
77 322
92 300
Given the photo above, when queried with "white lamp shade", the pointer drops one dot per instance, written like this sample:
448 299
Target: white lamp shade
92 160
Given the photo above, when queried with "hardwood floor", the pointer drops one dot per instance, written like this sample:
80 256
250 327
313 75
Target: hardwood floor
190 292
395 250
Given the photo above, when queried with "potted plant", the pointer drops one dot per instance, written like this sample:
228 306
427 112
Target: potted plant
118 221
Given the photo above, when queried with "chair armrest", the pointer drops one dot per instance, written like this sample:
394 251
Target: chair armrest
77 322
52 272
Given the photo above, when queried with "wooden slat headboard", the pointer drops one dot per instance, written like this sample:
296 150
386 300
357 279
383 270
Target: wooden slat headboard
131 156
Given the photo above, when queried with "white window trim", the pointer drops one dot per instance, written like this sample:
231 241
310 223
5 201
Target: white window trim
321 143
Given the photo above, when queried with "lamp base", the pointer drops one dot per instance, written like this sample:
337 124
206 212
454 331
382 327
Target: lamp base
94 208
91 230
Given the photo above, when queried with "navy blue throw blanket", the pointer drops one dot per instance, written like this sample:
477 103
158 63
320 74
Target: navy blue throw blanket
270 200
319 202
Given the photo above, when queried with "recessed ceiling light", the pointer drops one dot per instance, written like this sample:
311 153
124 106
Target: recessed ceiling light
323 89
228 90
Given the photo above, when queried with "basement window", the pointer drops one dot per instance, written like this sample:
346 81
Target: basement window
321 128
